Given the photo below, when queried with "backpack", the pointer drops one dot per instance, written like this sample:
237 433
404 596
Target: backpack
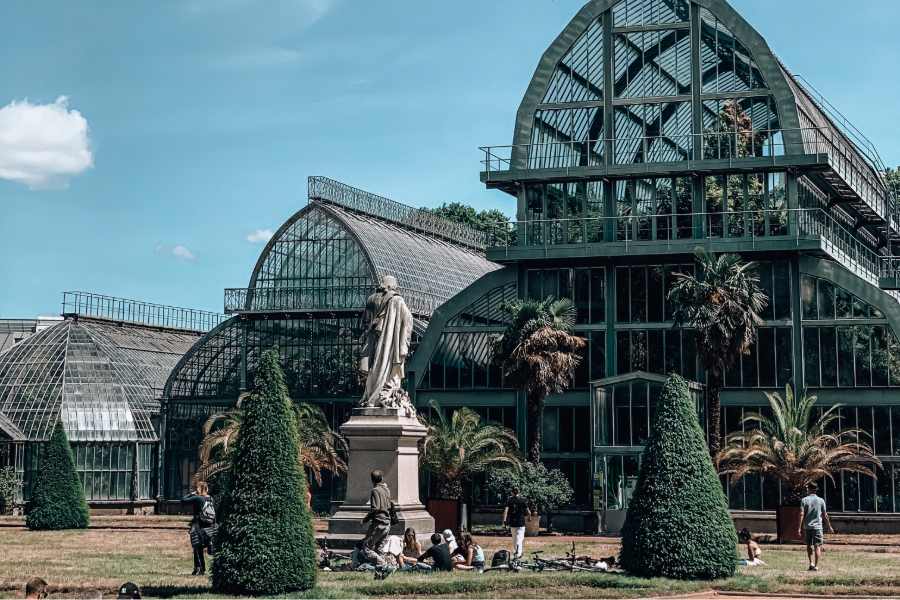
392 513
501 557
208 512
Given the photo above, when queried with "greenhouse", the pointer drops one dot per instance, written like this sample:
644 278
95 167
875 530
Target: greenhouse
651 127
100 370
306 296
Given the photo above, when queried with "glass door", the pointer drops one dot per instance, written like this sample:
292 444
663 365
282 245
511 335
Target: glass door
614 482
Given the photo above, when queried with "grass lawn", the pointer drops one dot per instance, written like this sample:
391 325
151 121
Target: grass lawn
159 560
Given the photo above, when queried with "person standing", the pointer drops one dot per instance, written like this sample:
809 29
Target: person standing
380 517
514 514
202 525
812 511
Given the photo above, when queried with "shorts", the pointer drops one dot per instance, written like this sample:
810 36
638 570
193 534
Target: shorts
814 537
478 564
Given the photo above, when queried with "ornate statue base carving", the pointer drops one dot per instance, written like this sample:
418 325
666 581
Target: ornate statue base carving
385 439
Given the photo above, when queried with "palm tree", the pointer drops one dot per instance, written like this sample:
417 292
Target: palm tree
319 445
462 446
794 448
539 354
722 303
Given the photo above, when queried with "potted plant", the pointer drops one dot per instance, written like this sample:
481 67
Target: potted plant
458 447
542 489
795 449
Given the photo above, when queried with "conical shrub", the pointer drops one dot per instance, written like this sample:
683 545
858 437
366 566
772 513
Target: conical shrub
57 501
265 544
678 525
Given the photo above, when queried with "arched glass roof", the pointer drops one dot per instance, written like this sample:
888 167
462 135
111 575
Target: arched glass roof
102 378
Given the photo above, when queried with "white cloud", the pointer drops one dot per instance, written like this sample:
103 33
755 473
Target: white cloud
259 236
43 145
179 252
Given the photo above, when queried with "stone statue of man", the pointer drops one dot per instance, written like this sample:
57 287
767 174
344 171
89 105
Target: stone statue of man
388 323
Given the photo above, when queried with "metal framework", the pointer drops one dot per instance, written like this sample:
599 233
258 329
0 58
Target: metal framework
135 311
328 190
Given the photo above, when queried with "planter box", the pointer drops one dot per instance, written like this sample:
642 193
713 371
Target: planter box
445 513
532 526
788 520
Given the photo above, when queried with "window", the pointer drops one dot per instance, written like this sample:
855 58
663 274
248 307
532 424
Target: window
657 351
568 137
769 364
634 13
584 286
578 473
650 133
726 63
566 429
851 356
745 205
741 128
652 63
106 470
624 413
641 293
822 300
578 77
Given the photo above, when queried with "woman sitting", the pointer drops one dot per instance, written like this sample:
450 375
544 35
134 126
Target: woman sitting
754 552
472 554
411 547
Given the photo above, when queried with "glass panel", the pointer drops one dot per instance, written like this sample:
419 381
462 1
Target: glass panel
826 299
656 352
614 495
550 439
598 354
782 287
736 495
639 414
885 499
843 303
623 352
714 198
882 426
784 349
766 341
582 427
684 206
811 355
766 284
638 350
623 415
623 296
582 295
638 295
749 367
846 338
770 495
632 468
879 356
595 210
655 294
863 363
735 198
598 295
866 493
834 494
828 347
673 351
753 493
778 203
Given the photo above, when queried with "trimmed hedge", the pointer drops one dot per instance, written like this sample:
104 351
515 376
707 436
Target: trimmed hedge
678 525
265 544
57 501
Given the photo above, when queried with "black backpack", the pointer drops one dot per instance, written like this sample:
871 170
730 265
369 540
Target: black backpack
392 512
501 557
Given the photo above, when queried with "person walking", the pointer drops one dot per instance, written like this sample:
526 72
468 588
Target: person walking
812 511
380 517
202 525
514 514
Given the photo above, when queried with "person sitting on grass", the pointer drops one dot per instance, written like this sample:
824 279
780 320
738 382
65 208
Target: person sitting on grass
472 554
128 591
754 552
36 588
439 553
812 509
393 552
411 546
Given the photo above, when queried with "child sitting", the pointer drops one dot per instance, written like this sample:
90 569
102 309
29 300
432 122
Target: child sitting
754 552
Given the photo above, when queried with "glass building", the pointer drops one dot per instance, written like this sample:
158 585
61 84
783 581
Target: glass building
651 127
306 296
100 369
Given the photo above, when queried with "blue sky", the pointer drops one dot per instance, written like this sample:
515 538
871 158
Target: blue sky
206 117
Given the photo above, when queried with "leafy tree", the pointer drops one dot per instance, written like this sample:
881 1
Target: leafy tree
319 446
488 221
57 501
10 484
464 445
539 354
265 543
542 489
793 447
722 303
678 524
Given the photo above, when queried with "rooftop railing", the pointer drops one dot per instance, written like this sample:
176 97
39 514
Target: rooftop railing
696 229
109 307
328 190
732 146
320 299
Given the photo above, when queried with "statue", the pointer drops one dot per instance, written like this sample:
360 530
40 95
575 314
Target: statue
388 324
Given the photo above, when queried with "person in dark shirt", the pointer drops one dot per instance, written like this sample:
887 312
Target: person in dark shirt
380 517
439 553
514 514
201 531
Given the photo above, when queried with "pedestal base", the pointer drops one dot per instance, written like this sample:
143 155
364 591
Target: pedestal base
380 439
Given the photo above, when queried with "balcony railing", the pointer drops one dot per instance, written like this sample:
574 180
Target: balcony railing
694 229
849 165
109 307
320 299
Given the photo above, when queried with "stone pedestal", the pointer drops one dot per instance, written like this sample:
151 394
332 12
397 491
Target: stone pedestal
381 439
